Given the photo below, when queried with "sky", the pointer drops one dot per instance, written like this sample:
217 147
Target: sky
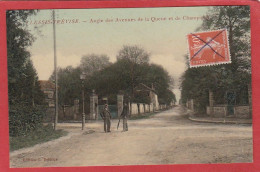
160 31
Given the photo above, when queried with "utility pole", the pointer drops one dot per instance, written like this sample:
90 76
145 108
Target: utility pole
83 110
55 71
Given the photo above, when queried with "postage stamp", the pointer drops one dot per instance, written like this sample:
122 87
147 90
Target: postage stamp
208 48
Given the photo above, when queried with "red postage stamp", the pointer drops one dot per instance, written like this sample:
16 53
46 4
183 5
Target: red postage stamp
208 48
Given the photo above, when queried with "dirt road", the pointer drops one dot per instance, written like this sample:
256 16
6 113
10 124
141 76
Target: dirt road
166 138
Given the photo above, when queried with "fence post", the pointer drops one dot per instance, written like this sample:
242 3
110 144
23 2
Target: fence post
93 105
120 100
192 105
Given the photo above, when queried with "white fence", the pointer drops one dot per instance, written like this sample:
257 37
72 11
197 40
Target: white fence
145 108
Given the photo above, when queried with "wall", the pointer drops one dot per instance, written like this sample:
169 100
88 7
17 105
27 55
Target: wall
145 108
238 111
161 107
134 109
221 111
242 111
217 111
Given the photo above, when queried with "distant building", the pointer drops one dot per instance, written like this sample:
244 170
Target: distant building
151 93
48 88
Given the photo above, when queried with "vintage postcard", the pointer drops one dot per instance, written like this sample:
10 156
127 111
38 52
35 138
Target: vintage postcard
129 86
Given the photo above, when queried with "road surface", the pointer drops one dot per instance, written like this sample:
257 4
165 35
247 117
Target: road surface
165 138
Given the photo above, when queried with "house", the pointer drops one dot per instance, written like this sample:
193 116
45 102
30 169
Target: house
150 92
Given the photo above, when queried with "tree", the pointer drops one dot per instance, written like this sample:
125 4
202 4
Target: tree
236 19
133 56
168 98
108 79
117 77
196 82
69 84
93 63
156 76
18 39
25 96
31 91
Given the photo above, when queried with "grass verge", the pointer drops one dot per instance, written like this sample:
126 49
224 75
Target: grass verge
40 135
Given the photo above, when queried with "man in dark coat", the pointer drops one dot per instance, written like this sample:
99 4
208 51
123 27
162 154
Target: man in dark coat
107 118
124 116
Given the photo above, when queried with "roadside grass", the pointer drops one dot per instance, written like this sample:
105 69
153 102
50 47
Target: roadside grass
40 135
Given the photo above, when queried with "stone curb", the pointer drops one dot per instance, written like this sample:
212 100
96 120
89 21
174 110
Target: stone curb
222 122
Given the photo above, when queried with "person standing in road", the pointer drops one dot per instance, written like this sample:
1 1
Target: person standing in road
107 118
124 116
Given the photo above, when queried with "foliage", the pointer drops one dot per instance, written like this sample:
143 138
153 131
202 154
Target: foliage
93 63
236 19
235 77
138 70
108 79
23 119
69 85
24 92
167 97
156 76
133 54
18 39
133 57
32 93
118 77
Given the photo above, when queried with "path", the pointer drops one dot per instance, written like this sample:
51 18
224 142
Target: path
166 138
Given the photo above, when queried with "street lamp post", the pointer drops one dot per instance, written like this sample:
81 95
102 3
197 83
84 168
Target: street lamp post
82 78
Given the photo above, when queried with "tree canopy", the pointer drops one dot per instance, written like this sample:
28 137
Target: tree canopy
108 79
25 95
235 77
92 63
133 54
23 85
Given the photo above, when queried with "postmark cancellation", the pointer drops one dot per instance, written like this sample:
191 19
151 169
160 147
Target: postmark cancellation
208 48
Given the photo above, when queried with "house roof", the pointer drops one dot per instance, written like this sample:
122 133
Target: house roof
47 85
143 87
